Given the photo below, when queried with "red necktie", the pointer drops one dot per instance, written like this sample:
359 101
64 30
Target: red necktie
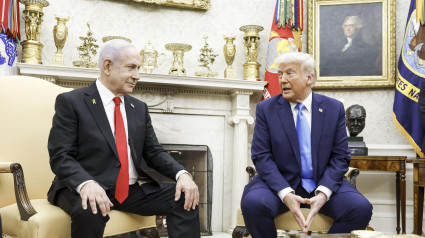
121 188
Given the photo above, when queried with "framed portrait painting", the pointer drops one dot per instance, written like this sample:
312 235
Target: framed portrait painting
353 42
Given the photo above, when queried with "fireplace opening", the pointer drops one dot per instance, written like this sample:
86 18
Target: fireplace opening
197 160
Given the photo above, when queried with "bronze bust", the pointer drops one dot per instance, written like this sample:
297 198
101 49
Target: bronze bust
355 118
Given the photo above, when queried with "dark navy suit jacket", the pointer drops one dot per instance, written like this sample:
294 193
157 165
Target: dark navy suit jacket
275 149
82 147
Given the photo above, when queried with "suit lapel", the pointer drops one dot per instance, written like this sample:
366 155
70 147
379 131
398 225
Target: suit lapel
285 115
131 117
95 105
318 111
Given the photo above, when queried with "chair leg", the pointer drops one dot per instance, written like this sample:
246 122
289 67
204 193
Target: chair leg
239 232
149 232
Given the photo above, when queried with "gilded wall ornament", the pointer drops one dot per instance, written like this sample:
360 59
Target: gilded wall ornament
86 49
191 4
206 58
108 38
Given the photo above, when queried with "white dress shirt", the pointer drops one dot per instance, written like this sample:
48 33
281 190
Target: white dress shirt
307 113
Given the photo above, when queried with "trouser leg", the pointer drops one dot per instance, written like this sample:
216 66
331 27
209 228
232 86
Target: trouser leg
180 223
84 224
259 208
350 211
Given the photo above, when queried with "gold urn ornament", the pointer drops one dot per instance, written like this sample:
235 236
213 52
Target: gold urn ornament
251 42
229 51
60 33
149 58
178 50
33 17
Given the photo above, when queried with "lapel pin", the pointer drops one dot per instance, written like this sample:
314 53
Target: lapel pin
131 104
94 101
320 110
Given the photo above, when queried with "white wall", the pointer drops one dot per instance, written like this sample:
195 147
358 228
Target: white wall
162 25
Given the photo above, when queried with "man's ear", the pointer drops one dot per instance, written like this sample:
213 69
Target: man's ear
107 66
310 79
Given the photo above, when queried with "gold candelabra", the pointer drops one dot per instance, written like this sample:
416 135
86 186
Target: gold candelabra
251 42
33 17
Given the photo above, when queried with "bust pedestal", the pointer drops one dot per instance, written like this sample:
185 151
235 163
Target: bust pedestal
357 145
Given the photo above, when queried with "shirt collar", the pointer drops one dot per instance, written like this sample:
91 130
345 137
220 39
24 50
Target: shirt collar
307 102
105 94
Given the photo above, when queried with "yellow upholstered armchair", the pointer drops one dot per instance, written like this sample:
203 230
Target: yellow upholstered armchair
26 111
286 221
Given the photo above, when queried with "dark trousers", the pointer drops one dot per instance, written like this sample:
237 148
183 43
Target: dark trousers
180 223
349 209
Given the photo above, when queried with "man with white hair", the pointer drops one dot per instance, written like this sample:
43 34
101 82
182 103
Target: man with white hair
300 151
355 57
101 144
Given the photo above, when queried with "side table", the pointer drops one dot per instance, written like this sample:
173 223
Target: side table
418 193
392 164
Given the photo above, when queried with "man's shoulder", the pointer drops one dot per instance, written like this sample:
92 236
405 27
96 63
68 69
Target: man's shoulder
326 100
135 100
79 91
271 101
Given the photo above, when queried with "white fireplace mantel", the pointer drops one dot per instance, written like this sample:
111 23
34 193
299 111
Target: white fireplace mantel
216 112
63 73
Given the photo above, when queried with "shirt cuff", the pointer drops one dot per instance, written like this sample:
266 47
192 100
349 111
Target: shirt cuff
282 193
78 189
181 172
324 190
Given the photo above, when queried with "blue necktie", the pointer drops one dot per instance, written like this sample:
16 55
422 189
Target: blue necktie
304 141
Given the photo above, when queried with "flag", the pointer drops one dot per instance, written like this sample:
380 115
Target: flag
285 36
410 74
9 19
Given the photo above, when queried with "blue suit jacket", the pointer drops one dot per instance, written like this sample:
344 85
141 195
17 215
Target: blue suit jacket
275 149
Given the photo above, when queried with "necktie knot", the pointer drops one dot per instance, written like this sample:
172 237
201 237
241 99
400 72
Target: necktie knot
300 107
117 101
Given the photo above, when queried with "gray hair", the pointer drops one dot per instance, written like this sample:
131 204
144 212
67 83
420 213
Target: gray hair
112 50
305 60
357 20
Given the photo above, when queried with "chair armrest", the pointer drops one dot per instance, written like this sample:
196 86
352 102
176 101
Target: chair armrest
251 172
25 207
351 174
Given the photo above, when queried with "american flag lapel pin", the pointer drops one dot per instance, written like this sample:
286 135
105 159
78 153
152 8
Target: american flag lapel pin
320 109
94 101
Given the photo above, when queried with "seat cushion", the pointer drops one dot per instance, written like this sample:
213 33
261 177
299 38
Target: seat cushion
286 221
51 221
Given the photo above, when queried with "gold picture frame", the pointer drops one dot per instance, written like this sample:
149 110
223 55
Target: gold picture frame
190 4
368 61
